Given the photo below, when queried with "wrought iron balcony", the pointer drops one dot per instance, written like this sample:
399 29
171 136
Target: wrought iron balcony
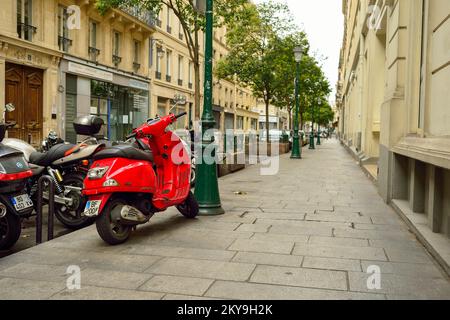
180 82
190 85
64 43
136 66
116 59
142 15
158 75
168 78
94 53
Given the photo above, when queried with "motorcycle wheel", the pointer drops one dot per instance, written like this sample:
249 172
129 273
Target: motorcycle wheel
72 217
10 229
189 208
111 231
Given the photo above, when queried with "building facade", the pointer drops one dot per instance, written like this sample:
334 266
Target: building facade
60 59
394 106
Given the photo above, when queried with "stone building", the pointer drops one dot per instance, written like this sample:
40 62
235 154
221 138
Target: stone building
394 107
60 59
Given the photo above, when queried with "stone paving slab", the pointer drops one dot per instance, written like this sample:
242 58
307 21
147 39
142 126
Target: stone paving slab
308 234
253 291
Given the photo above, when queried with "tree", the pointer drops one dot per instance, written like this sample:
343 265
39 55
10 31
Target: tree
192 22
259 56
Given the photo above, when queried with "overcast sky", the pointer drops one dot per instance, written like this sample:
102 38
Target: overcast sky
324 23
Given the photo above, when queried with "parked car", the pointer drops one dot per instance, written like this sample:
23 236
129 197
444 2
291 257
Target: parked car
274 136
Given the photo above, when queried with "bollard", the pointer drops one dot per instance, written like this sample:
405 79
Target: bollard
51 208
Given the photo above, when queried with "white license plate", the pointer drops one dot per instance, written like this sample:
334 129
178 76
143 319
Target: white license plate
22 202
92 208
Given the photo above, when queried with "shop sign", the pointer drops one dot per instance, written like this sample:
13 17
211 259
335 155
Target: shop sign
90 72
138 84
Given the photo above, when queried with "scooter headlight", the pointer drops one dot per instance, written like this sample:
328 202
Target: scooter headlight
97 173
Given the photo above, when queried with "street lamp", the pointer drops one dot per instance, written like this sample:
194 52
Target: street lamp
319 104
296 147
207 185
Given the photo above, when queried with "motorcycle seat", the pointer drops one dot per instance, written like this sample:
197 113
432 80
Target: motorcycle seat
124 151
45 159
37 170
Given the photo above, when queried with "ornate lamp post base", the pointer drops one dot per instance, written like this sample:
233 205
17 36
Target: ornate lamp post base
311 142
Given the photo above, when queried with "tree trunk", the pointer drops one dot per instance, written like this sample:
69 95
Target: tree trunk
267 122
197 99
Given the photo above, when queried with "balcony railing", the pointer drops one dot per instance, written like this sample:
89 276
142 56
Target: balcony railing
64 43
116 60
168 78
142 15
26 31
158 75
180 82
94 53
136 66
190 85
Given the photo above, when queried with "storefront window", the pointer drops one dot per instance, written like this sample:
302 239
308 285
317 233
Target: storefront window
71 107
121 108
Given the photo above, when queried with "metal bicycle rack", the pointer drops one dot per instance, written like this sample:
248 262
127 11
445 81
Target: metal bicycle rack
51 208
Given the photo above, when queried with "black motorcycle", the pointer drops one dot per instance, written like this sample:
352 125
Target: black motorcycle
15 203
67 165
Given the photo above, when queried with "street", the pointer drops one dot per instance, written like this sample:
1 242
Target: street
313 231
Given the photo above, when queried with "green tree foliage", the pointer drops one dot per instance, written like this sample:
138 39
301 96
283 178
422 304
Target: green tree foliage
262 41
192 22
258 54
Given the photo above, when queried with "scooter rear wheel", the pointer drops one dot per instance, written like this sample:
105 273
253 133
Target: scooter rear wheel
112 232
10 229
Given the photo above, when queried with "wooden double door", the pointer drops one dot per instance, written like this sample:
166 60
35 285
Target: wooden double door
24 89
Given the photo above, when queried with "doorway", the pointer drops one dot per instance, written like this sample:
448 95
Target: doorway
24 89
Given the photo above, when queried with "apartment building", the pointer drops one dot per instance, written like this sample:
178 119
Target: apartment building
61 59
394 104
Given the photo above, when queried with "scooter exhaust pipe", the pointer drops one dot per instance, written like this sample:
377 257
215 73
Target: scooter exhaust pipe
3 210
129 215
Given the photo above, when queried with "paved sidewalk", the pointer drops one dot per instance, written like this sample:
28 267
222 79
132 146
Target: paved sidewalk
310 232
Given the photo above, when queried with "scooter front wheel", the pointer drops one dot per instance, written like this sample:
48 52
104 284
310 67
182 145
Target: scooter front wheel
112 232
189 208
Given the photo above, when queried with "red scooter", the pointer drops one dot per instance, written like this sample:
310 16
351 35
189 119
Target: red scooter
127 184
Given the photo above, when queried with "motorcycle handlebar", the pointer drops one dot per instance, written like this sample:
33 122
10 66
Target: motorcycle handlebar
133 135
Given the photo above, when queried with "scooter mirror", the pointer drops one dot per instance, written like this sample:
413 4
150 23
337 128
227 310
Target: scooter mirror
10 107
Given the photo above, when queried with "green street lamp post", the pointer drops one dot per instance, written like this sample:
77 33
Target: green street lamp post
319 104
296 147
207 185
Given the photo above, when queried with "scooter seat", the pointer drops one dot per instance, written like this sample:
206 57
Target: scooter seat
45 159
124 151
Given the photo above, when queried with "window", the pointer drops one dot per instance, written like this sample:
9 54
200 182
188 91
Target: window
136 55
93 50
169 66
158 63
116 48
190 74
180 70
169 20
25 29
63 32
